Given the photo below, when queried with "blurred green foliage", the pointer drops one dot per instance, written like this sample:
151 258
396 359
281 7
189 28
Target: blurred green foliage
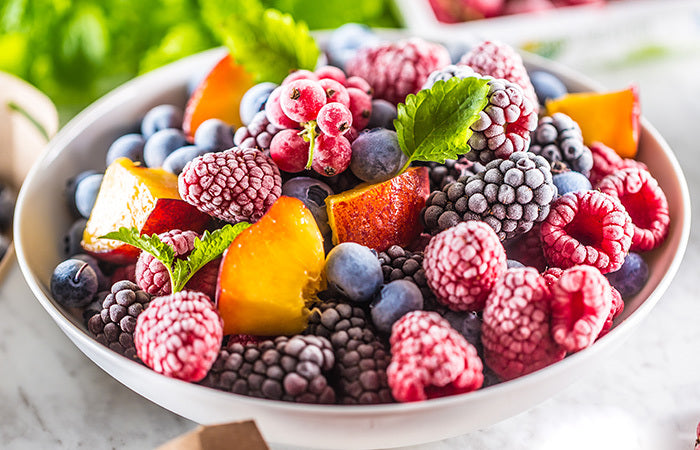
76 50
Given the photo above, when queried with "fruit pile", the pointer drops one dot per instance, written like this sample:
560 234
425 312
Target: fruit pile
394 228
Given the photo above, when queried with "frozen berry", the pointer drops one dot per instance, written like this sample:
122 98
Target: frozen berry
159 118
559 138
334 119
393 301
301 74
376 155
301 100
254 99
332 155
161 144
631 277
102 281
571 181
127 146
606 161
360 107
70 188
335 92
430 359
353 271
274 113
447 72
72 238
313 194
527 249
177 160
179 335
463 263
214 135
383 114
86 193
258 134
346 40
616 308
74 283
547 86
331 73
289 151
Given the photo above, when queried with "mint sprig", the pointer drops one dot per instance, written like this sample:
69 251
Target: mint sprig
268 43
208 248
433 125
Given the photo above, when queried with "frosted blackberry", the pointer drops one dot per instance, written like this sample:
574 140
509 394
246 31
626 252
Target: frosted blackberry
361 357
258 134
451 170
558 138
401 264
114 325
510 195
287 368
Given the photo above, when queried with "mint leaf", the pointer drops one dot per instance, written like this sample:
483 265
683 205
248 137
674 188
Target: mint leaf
266 42
151 244
433 125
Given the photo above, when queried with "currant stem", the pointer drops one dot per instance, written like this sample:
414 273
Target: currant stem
310 134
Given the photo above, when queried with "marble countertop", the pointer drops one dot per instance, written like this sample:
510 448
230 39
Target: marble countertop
646 396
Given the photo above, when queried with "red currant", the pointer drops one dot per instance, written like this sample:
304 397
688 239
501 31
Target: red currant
332 73
334 119
289 151
302 99
274 112
332 155
359 83
360 107
300 75
335 92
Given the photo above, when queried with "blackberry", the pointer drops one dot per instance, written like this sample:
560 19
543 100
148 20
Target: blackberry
510 195
559 138
258 134
114 325
286 368
451 170
401 264
361 357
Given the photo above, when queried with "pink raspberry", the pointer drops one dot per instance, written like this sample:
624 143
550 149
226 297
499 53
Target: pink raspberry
606 161
462 263
234 185
153 277
587 227
644 201
430 359
552 275
618 305
500 60
515 332
179 335
396 69
581 303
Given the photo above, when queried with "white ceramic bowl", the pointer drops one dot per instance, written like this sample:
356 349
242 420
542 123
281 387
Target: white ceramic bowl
42 218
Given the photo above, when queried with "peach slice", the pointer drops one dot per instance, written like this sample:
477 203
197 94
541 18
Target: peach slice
217 96
380 215
271 271
134 196
608 117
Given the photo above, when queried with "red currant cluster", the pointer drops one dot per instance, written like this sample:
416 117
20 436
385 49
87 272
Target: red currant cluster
320 113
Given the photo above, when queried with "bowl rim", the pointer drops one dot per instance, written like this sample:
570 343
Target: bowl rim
71 130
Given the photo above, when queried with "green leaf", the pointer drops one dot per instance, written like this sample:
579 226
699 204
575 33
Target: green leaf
266 42
433 125
151 244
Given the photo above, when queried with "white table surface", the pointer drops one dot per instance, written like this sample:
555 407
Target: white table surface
647 396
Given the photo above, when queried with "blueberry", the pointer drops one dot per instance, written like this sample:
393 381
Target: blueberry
73 283
160 118
457 49
102 281
69 191
162 144
177 160
354 271
313 193
253 101
383 114
72 238
7 206
127 146
631 277
376 155
345 40
393 301
511 263
215 135
86 193
547 86
571 181
468 324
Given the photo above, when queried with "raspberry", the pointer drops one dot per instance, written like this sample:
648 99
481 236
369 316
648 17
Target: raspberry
552 275
499 60
179 335
396 69
286 368
233 185
515 332
431 359
559 138
258 134
527 249
606 161
645 202
115 323
504 125
463 263
587 227
616 307
153 277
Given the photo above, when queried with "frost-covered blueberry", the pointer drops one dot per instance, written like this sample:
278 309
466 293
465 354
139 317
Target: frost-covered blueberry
383 114
214 135
159 118
354 271
161 144
86 193
253 101
376 155
127 146
393 301
73 283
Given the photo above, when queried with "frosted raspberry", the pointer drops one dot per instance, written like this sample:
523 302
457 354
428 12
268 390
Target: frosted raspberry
552 275
504 125
462 264
179 335
239 184
644 201
606 161
396 69
587 227
616 308
515 331
500 60
430 359
581 302
153 277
